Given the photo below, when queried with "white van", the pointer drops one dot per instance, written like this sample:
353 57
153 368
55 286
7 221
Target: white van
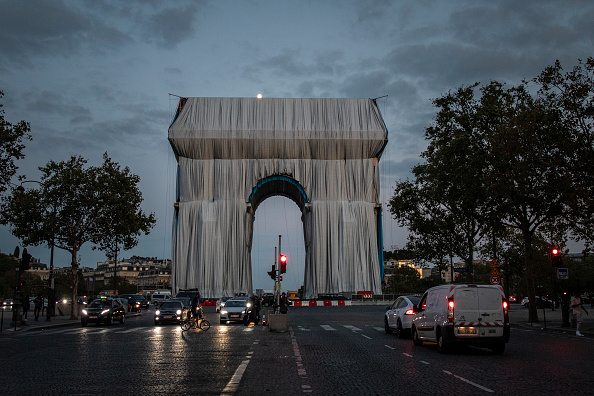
158 298
462 315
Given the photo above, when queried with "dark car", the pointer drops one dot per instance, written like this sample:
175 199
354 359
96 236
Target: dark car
171 312
104 310
140 302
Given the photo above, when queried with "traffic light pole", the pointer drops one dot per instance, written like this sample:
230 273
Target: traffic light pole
277 281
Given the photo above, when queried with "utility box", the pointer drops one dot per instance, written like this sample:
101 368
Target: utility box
277 322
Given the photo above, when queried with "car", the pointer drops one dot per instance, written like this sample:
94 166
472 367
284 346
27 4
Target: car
221 303
171 312
103 310
524 302
187 303
512 299
7 304
234 311
398 316
471 314
140 302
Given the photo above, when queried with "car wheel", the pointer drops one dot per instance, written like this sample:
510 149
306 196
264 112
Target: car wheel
83 323
223 322
498 348
387 326
110 320
415 337
442 346
156 323
123 320
399 329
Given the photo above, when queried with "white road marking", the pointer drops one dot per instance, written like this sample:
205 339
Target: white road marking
352 328
469 382
327 327
388 346
363 335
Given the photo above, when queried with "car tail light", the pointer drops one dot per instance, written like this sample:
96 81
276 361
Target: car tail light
450 309
505 305
410 312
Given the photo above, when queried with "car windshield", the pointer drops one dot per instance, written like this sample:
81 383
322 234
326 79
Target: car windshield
138 297
100 304
235 303
172 305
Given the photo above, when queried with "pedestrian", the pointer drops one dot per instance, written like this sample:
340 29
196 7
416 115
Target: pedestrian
130 304
38 306
284 304
256 308
578 308
26 305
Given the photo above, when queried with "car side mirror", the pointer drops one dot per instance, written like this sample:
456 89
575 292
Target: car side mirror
387 308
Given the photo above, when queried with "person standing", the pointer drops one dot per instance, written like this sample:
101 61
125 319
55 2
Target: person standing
578 308
284 304
26 305
38 306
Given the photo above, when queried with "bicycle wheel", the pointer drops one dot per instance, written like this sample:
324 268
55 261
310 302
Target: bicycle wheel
204 325
185 325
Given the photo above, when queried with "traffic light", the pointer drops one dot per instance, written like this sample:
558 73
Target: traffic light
556 259
280 278
272 273
283 263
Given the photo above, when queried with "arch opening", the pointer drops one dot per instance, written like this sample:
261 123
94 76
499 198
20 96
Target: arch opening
281 185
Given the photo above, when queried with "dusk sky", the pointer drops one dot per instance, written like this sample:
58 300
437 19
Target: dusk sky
96 76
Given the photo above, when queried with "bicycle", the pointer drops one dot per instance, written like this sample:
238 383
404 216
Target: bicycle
197 323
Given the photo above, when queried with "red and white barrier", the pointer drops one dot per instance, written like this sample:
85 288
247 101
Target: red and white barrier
321 303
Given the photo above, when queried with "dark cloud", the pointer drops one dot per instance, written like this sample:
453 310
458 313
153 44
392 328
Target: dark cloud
30 29
170 26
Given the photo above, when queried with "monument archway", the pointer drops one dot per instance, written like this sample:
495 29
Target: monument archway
235 152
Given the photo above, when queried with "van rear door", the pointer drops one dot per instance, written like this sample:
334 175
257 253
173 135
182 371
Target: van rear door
480 307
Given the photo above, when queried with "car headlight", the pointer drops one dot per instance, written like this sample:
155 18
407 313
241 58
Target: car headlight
178 312
249 305
105 311
223 312
157 312
84 312
64 301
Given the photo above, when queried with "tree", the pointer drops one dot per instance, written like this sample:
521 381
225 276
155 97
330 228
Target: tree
571 93
403 280
122 218
12 139
66 211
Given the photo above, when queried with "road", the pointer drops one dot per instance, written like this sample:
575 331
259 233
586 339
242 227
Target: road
327 351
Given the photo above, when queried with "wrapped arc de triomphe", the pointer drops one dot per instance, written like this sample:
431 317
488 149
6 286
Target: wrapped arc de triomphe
233 153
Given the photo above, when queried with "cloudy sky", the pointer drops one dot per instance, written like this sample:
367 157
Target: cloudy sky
96 76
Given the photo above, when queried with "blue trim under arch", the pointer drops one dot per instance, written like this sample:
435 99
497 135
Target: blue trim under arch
279 178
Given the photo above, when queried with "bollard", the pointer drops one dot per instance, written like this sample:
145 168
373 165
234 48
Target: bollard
277 322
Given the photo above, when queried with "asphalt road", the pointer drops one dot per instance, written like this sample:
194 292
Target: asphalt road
327 351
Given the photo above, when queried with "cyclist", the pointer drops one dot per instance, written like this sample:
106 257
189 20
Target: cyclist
196 307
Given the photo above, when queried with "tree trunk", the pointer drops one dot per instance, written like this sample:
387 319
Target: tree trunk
74 270
529 259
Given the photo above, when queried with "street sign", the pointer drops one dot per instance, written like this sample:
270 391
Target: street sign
494 263
495 272
562 273
495 279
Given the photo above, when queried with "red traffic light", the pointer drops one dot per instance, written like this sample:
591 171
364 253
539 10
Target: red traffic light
283 263
555 251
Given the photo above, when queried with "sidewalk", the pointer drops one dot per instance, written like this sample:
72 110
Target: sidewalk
31 324
550 320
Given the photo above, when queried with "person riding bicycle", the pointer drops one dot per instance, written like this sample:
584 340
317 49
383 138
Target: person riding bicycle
196 307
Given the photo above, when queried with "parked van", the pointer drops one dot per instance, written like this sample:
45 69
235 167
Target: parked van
462 315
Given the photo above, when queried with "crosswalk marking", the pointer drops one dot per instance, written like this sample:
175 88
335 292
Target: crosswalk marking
352 328
327 327
379 328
